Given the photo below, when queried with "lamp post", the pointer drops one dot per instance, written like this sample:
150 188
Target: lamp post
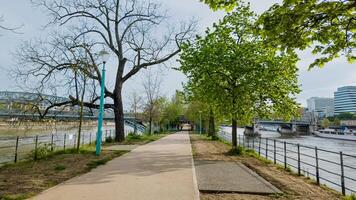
104 57
200 122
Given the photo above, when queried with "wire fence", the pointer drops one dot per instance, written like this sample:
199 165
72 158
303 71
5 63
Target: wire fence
14 149
334 169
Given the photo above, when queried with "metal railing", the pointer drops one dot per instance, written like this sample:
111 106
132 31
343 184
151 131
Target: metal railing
334 169
13 149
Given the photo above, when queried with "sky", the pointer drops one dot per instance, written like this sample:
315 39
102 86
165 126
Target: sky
316 82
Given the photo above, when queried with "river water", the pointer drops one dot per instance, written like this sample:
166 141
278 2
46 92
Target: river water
328 152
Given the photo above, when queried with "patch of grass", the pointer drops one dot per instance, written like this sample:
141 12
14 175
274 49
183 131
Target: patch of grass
95 163
109 140
133 136
350 197
28 178
60 167
239 151
134 139
281 167
16 197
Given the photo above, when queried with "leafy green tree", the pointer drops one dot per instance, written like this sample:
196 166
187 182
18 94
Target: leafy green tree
329 27
336 122
238 74
173 111
221 4
325 123
346 116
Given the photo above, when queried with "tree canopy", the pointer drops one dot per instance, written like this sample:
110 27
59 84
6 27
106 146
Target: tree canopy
328 27
240 75
221 4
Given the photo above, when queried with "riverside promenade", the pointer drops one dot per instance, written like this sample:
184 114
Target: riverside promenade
159 170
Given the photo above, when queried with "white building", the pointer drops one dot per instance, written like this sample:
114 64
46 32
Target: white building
323 106
345 100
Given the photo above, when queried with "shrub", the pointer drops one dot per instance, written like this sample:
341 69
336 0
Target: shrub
133 136
350 197
109 139
214 137
60 167
43 151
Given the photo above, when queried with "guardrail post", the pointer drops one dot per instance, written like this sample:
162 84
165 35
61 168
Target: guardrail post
285 155
52 142
90 138
259 146
317 166
243 140
64 142
274 152
74 140
36 144
342 173
239 140
253 143
266 148
298 159
83 138
16 148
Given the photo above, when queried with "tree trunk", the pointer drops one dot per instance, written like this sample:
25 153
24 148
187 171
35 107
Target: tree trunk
80 124
234 133
119 118
150 125
211 132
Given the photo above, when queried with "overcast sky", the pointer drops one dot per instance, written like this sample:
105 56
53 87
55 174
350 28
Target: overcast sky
317 82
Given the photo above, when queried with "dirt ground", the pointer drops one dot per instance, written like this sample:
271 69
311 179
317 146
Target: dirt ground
25 179
293 187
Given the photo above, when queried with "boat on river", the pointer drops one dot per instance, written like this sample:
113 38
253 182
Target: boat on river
250 132
336 134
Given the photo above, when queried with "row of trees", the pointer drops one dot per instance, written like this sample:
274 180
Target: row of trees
237 74
262 47
127 29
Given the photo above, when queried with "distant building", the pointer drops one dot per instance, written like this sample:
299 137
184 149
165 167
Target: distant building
308 116
348 122
345 100
323 106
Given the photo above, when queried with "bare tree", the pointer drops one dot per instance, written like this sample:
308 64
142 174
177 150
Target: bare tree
152 86
57 63
137 32
136 105
7 28
82 89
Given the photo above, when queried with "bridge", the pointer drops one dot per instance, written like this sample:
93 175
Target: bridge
292 126
128 119
279 122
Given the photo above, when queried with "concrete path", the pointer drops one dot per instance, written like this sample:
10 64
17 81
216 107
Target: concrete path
159 170
224 176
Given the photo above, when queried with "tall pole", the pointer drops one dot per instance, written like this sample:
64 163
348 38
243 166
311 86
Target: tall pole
200 122
101 113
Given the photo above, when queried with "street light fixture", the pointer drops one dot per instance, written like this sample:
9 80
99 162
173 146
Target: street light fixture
200 122
104 56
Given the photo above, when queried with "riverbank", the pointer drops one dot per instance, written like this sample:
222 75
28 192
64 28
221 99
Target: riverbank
25 179
30 128
28 178
292 186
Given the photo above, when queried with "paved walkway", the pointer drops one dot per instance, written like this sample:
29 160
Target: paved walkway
223 176
159 170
